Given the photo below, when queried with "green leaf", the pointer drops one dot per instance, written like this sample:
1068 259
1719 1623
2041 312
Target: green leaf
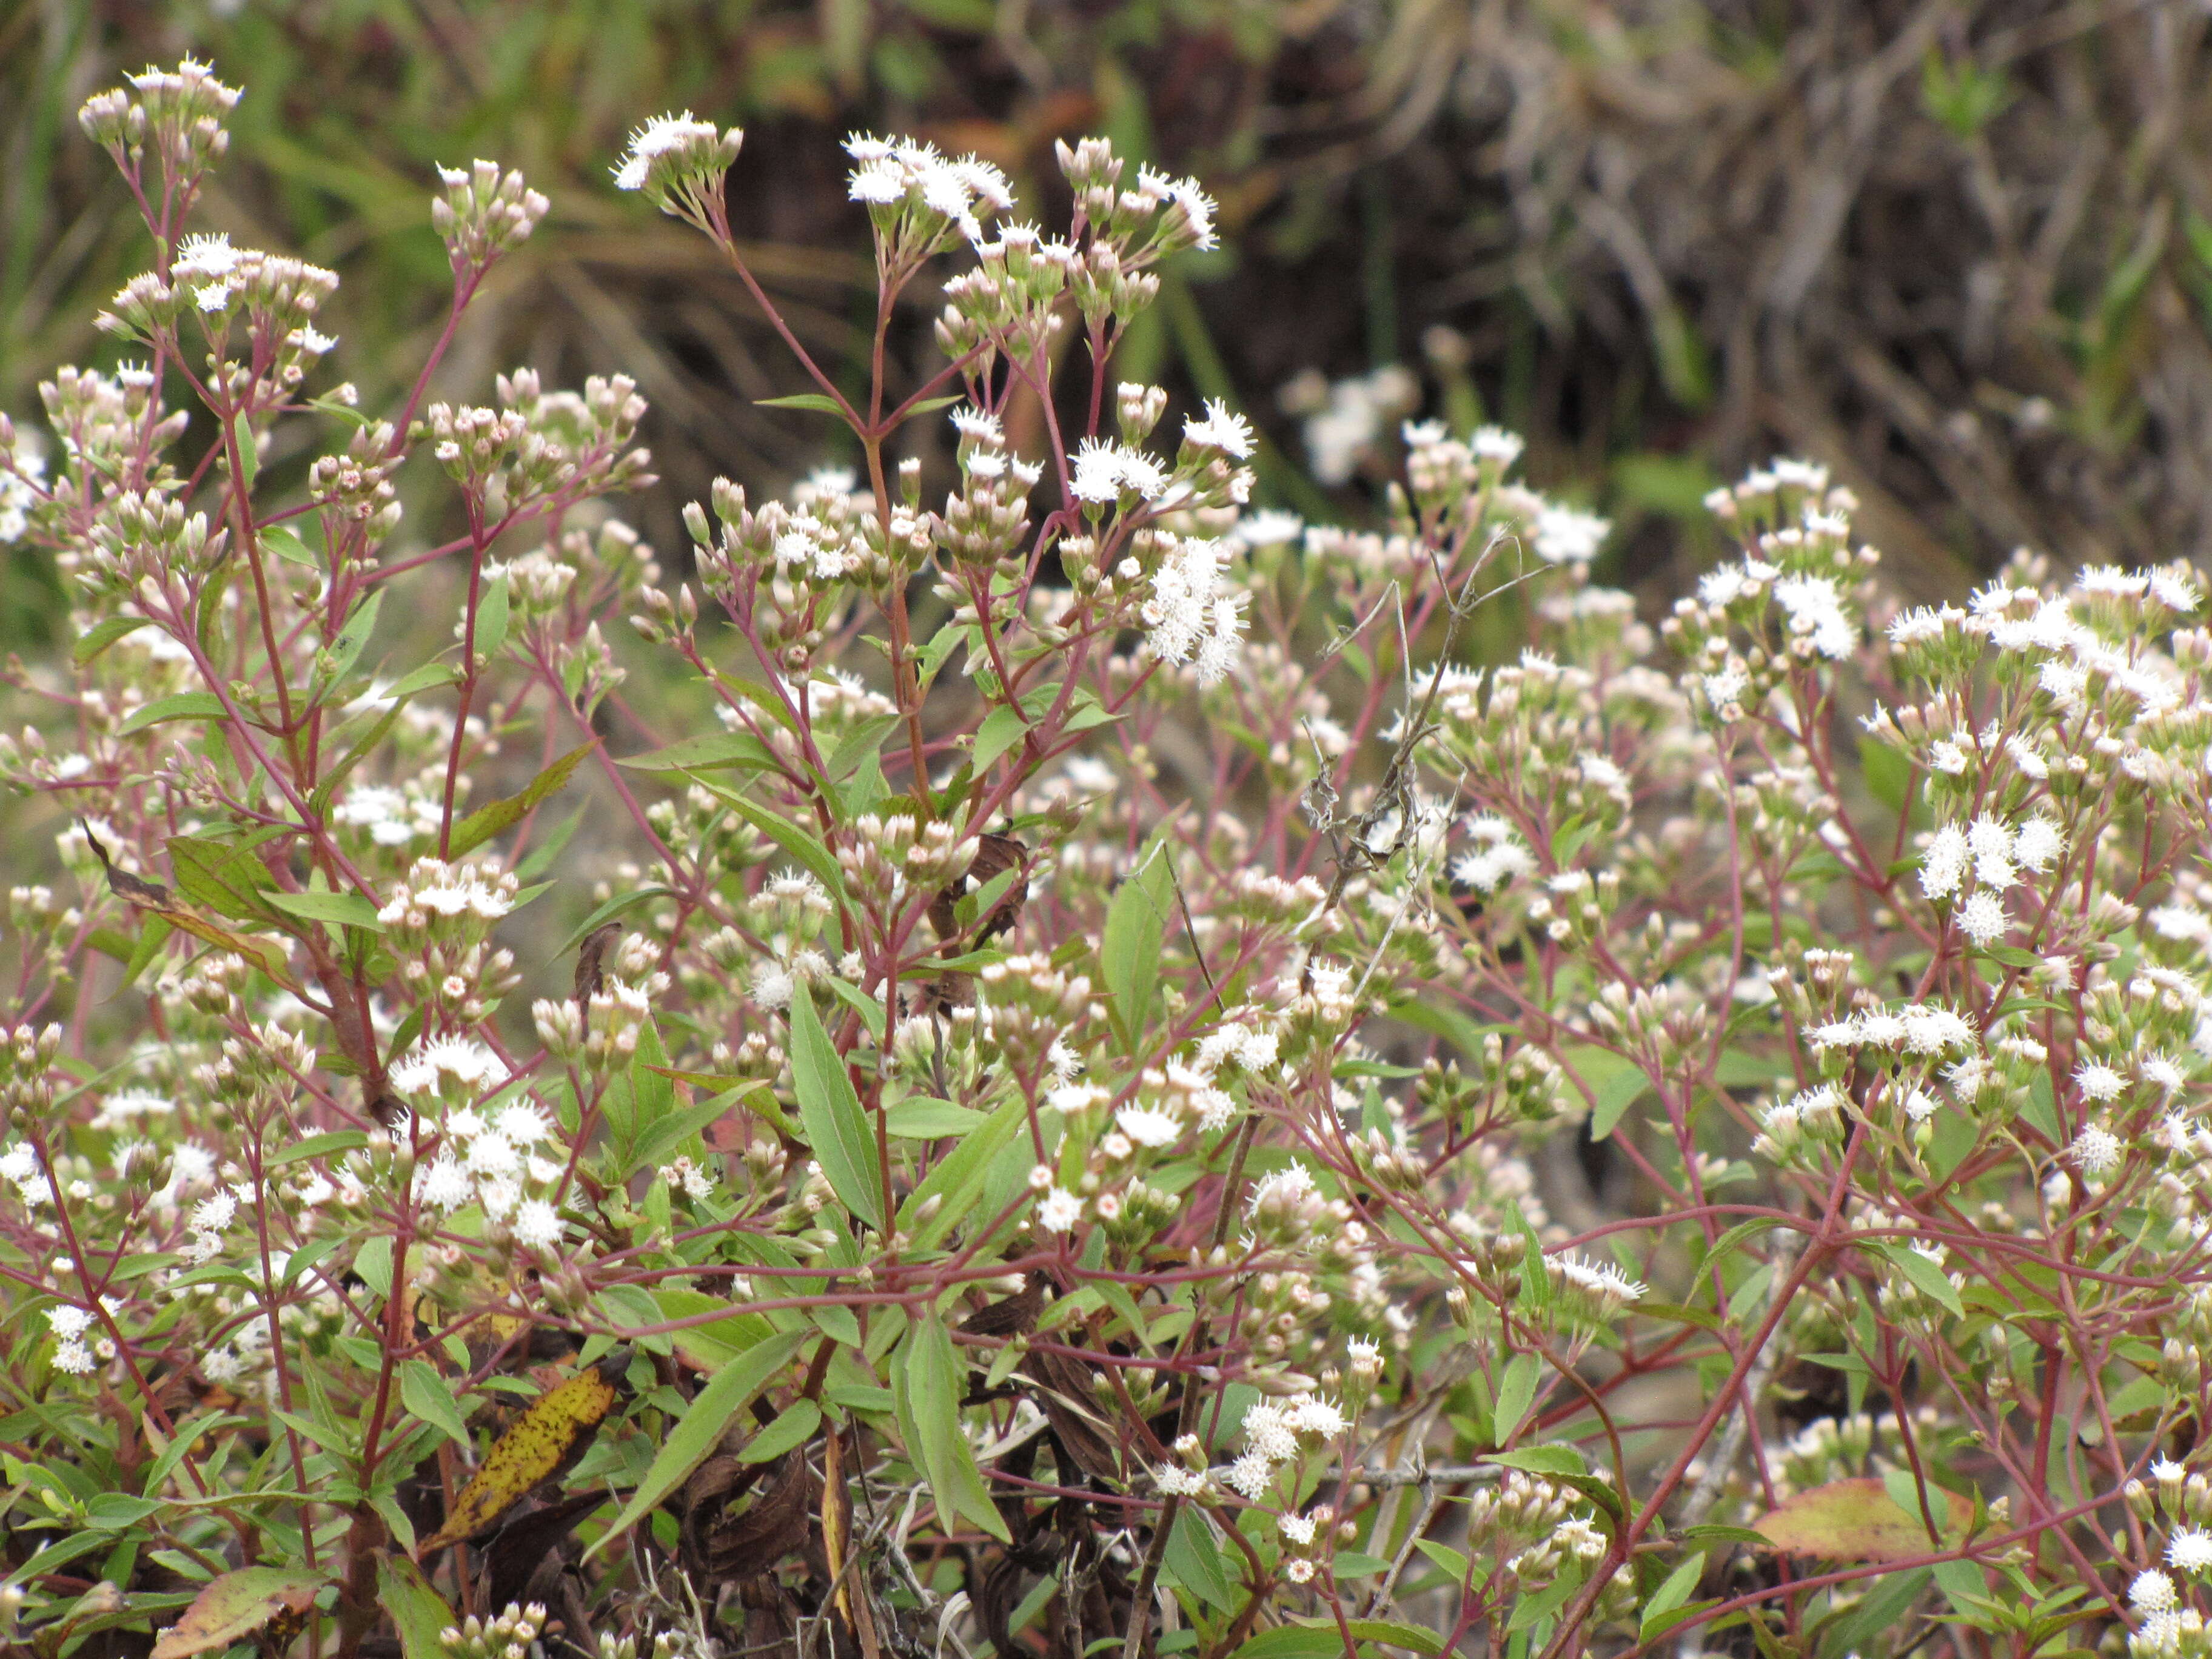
1713 1532
803 845
1129 949
1888 774
1516 1391
184 706
322 1146
821 402
705 752
352 638
415 681
1928 1277
1391 1633
959 1176
700 1429
1453 1561
481 825
1615 1083
428 1397
492 618
287 546
1882 1607
226 878
1195 1559
838 1128
418 1613
1541 1460
927 1384
1670 1596
1001 730
795 1427
1294 1642
97 638
924 1119
717 1342
349 910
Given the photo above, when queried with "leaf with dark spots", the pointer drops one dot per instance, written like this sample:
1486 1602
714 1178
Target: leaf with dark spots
1857 1520
546 1439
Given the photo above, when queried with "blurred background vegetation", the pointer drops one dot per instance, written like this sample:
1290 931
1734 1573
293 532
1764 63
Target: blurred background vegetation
1958 250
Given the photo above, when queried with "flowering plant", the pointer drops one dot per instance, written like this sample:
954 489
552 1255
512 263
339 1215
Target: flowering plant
1121 1092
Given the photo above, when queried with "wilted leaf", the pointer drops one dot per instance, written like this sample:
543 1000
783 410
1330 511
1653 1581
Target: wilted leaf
1856 1520
235 1605
544 1440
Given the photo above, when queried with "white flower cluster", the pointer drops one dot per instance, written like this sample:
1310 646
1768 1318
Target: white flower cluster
494 1163
905 172
20 1168
1993 854
665 136
431 1064
1271 1432
393 818
1916 1028
19 491
71 1353
434 888
1192 614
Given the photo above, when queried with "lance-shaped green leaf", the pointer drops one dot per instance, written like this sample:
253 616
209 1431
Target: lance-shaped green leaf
927 1384
843 1140
418 1613
481 825
700 1429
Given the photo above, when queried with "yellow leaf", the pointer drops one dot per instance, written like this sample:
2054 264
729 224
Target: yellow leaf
543 1441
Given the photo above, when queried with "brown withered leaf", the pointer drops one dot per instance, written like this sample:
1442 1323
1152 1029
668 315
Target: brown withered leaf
1012 1316
995 854
513 1553
735 1549
1063 1394
590 961
136 889
545 1440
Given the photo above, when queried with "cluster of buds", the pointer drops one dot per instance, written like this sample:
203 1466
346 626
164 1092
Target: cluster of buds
1797 1131
356 487
179 111
142 546
483 214
985 521
573 444
509 1635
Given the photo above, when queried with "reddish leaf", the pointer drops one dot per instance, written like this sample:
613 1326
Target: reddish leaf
237 1604
1858 1521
